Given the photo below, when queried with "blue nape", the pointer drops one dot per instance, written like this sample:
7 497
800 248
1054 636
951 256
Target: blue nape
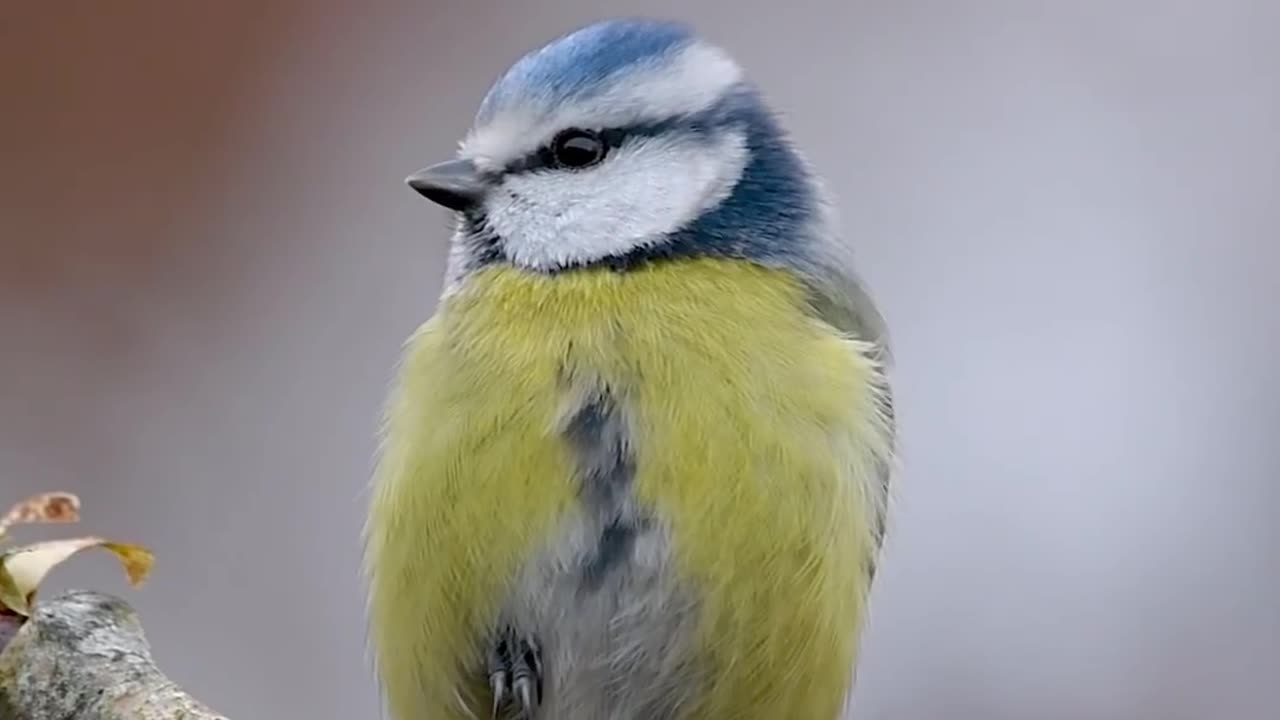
766 214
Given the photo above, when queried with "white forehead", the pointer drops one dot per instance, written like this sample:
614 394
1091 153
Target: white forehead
685 82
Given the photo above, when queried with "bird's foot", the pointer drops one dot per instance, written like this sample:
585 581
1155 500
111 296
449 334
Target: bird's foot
515 674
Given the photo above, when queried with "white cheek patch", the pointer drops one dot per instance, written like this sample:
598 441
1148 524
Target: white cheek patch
642 192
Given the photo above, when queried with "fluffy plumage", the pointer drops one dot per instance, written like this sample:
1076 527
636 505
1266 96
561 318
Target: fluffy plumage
649 426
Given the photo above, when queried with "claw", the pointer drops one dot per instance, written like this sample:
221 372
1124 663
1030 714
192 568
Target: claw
524 690
499 685
515 675
498 677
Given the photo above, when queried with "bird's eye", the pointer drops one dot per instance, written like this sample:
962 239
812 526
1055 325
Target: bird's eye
578 148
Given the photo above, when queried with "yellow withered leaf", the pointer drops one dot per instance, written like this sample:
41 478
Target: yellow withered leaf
51 507
22 569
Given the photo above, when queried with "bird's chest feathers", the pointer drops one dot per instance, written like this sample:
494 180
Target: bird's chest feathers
599 362
692 387
555 438
669 380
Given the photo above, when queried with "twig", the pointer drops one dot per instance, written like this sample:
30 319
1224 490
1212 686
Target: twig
83 656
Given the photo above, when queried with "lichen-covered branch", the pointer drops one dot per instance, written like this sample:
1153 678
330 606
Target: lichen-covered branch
82 655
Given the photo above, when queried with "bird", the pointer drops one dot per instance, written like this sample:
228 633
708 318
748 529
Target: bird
636 464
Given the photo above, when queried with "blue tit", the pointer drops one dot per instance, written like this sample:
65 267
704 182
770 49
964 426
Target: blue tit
636 465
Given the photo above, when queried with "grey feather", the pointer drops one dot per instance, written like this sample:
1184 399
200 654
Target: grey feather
615 624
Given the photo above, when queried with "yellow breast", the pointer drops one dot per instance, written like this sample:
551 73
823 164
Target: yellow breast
755 433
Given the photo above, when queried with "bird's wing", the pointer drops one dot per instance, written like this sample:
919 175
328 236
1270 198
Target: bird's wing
840 299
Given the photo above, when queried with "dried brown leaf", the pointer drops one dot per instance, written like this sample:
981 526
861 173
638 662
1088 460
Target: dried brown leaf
52 507
22 569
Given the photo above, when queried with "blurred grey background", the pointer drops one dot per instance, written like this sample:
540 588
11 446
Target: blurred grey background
1070 212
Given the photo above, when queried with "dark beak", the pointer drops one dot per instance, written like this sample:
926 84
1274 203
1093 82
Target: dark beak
455 184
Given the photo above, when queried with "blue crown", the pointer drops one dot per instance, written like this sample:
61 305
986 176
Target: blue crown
581 63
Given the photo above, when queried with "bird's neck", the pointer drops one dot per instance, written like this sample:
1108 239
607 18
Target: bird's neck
689 301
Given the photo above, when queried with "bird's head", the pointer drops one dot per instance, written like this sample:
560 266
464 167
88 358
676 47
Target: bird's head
621 142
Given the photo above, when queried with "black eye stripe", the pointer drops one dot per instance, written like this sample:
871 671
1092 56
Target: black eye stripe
545 157
701 124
